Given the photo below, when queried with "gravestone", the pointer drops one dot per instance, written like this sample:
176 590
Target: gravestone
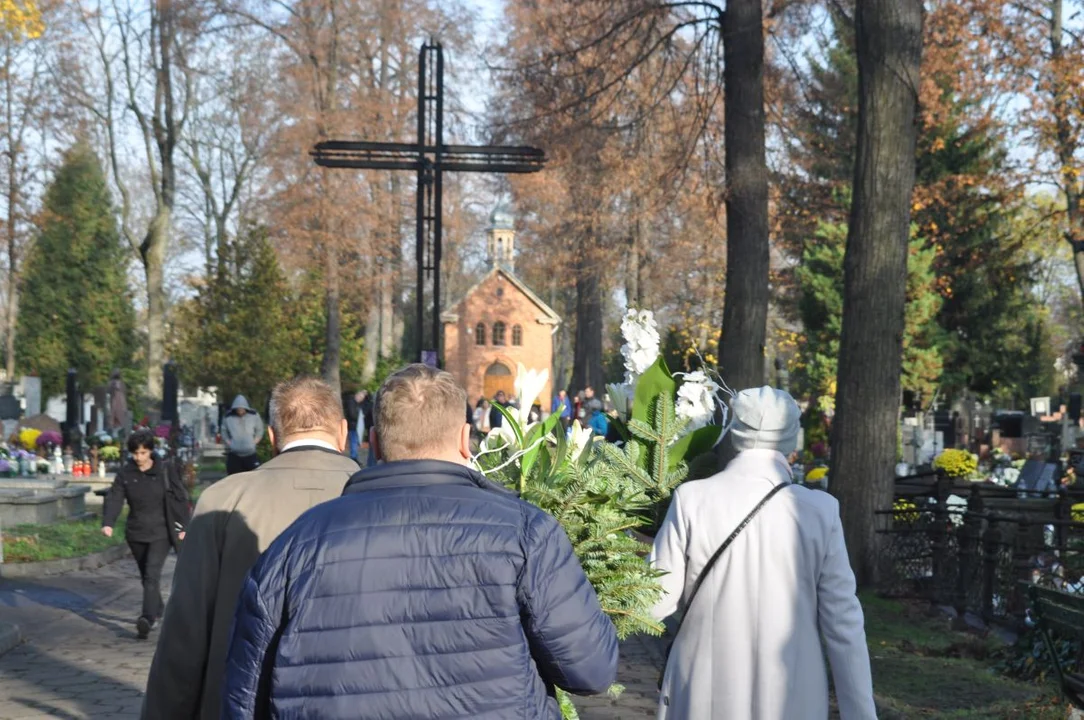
169 392
1038 476
9 407
31 395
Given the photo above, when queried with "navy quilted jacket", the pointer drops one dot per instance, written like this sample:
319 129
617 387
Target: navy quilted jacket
424 592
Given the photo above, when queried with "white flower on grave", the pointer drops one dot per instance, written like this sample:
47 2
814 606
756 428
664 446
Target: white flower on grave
528 386
641 348
696 399
499 437
580 437
621 396
956 507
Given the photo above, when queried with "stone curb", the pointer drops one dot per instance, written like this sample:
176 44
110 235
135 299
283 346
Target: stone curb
10 637
56 567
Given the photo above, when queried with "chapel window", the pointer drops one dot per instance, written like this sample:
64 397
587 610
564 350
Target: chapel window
498 333
480 334
517 335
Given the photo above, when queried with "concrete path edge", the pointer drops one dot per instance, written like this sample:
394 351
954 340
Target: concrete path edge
10 637
55 567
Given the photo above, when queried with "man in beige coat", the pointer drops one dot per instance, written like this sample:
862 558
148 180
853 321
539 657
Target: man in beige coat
234 521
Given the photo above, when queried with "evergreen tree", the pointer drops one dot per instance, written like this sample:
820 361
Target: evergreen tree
820 303
247 328
311 321
984 272
239 333
76 308
968 315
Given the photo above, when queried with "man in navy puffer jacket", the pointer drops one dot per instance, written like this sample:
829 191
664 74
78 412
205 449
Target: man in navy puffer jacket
426 591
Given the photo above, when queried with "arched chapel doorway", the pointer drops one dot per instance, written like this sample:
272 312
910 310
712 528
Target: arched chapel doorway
498 377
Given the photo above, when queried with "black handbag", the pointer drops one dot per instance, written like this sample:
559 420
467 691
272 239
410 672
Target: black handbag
707 569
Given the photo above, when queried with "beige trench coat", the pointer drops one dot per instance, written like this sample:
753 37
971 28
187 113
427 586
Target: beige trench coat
751 645
234 521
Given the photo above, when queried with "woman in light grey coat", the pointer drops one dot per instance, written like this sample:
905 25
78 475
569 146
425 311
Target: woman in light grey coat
750 646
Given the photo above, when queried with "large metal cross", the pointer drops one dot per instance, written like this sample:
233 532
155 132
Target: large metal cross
430 158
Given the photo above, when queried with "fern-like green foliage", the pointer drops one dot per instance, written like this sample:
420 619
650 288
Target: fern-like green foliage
596 503
600 491
645 458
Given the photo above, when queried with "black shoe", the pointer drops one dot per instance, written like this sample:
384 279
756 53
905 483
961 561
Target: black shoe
143 627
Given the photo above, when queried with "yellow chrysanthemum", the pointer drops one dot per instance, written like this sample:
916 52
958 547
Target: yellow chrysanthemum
28 437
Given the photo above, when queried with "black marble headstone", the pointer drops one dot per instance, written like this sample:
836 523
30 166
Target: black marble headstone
1038 476
169 392
9 407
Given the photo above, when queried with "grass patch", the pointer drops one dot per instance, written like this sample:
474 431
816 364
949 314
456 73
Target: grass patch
209 466
34 543
924 669
75 538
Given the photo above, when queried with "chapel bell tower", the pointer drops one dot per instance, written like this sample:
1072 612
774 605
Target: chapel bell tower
501 239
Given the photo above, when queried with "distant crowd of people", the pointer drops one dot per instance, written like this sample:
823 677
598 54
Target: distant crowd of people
592 412
308 587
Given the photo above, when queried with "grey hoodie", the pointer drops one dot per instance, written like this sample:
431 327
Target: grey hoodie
242 433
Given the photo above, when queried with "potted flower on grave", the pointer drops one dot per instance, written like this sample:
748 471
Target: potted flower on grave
109 453
28 438
8 467
956 464
48 441
817 478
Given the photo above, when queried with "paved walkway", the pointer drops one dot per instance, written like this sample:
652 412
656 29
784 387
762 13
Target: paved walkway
82 659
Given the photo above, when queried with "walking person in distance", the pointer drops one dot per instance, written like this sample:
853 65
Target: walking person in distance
242 431
158 510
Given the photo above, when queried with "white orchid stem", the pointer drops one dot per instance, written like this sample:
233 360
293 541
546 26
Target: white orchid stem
514 457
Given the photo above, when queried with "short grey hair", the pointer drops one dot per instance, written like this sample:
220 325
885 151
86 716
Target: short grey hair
305 404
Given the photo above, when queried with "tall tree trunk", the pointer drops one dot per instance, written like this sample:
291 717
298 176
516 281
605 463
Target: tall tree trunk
889 47
372 338
12 313
387 313
329 366
745 311
1064 101
587 361
153 254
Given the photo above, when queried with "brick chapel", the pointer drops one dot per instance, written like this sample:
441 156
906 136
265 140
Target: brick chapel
498 323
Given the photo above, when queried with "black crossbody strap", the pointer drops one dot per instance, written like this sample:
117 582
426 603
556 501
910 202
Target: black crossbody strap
722 548
707 569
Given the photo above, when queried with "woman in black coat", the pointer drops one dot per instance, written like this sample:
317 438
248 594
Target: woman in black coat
158 511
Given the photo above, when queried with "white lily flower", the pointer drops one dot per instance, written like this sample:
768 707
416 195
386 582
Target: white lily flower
621 396
641 348
580 438
499 437
528 386
696 399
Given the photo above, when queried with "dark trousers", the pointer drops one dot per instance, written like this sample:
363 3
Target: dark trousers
241 463
150 557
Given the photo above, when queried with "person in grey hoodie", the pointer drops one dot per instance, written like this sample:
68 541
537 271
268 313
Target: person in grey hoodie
241 431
